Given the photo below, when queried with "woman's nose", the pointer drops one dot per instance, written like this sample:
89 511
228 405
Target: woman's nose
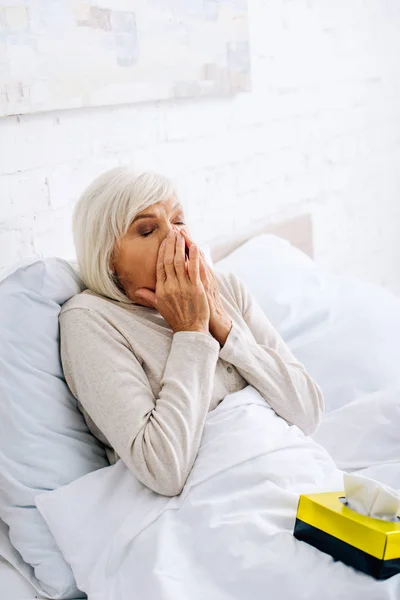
167 233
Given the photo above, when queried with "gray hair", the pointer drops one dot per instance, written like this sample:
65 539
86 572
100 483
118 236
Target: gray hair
102 216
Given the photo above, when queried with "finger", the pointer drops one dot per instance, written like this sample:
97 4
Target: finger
194 262
203 256
161 275
204 265
188 239
208 269
203 273
179 259
170 256
185 234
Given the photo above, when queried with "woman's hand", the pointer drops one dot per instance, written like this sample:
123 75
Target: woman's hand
220 323
180 296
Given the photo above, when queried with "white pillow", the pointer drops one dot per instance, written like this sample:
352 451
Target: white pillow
364 433
44 440
15 571
346 332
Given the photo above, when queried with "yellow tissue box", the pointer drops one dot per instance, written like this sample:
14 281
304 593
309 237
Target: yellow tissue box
369 545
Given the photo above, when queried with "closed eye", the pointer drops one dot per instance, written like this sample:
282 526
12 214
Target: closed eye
149 232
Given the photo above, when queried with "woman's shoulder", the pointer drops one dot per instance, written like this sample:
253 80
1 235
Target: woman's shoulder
227 278
87 300
231 287
89 312
88 317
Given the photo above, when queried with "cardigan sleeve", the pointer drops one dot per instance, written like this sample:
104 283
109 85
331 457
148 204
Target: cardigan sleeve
265 361
157 437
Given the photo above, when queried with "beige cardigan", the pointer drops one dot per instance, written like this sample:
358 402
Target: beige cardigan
145 392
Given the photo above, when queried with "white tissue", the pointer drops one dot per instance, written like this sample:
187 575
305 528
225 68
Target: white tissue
369 497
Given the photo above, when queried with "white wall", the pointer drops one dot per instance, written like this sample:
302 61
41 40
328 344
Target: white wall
320 133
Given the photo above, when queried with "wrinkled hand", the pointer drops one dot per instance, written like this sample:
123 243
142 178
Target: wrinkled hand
220 323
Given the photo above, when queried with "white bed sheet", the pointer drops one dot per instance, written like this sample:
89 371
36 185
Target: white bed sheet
14 586
229 535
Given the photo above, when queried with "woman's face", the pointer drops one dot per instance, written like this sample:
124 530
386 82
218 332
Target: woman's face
135 260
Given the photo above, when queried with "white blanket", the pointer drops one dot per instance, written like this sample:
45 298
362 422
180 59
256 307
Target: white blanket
228 536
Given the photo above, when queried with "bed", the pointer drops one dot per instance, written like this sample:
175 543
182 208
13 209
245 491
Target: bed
297 233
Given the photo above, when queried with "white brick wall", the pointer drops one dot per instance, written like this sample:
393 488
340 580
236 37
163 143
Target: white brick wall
319 133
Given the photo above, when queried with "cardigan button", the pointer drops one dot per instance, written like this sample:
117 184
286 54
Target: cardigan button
229 369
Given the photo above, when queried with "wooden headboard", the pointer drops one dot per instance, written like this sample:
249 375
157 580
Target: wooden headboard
298 231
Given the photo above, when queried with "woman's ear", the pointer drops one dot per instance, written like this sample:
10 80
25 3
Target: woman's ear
117 282
114 273
112 263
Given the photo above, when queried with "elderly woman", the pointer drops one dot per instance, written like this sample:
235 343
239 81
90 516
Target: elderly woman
158 339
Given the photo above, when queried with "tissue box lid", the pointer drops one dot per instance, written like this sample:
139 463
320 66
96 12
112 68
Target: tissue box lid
325 511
